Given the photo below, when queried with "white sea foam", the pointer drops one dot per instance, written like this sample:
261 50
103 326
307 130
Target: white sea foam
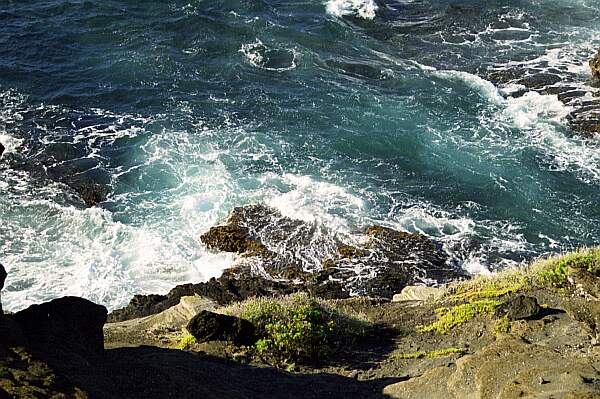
486 88
263 57
366 9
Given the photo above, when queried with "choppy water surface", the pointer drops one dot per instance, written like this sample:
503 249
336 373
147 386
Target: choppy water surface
446 117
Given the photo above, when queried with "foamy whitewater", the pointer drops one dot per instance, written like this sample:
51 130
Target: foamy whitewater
453 119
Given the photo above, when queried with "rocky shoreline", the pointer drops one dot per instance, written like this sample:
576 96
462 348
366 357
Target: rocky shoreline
523 333
272 248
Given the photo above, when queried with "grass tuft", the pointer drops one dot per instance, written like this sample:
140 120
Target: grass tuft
429 355
448 318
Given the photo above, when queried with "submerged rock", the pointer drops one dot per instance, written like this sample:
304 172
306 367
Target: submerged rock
210 326
90 192
69 321
595 66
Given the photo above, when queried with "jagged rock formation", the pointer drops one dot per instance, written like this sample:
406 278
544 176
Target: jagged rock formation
279 247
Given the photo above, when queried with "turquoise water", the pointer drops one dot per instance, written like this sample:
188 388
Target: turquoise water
346 113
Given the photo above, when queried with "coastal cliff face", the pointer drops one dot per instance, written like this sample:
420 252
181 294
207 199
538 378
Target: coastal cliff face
523 333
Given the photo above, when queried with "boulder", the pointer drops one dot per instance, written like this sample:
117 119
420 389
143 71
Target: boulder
419 293
519 308
210 326
595 65
73 321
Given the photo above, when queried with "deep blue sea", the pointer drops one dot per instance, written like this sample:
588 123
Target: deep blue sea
444 117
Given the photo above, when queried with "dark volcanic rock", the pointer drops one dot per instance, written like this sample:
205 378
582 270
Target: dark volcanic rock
210 326
595 66
74 321
291 255
233 285
2 148
233 238
519 308
91 193
396 259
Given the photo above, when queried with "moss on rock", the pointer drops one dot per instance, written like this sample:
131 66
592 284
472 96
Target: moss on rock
448 318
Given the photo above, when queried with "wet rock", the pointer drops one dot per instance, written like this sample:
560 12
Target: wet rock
233 238
539 81
71 321
210 326
519 308
328 290
396 259
90 192
2 148
595 66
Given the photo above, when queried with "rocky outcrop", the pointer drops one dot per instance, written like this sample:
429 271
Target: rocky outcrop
90 192
508 368
277 252
595 66
519 308
68 321
233 285
162 329
210 326
395 258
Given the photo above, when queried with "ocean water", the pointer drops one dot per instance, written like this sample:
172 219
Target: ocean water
444 117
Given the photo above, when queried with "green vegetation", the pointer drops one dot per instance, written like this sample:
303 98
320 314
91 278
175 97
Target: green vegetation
553 272
296 328
429 355
488 287
449 318
550 272
186 342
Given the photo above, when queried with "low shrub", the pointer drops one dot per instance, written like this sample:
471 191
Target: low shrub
186 342
296 328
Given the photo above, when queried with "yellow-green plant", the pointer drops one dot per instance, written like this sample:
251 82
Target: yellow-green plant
429 355
448 318
186 342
